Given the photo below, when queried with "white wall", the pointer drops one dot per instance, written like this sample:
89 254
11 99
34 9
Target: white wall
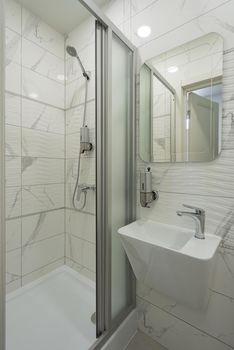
34 117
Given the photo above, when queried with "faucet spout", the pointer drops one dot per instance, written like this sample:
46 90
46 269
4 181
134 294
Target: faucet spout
198 217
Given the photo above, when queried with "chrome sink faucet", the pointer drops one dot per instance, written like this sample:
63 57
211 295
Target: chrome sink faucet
198 216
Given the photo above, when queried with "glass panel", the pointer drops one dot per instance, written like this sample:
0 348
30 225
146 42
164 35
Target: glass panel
120 143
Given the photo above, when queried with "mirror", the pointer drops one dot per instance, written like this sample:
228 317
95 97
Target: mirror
181 103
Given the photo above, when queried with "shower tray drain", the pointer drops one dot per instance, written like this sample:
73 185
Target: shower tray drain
93 318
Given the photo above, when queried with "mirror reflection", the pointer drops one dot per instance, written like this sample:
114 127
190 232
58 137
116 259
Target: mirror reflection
181 103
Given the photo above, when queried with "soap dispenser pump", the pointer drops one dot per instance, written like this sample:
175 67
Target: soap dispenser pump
147 195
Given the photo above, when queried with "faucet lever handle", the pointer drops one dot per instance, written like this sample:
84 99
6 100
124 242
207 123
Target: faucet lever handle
197 210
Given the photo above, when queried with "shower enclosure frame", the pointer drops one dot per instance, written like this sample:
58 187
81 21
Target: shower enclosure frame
105 326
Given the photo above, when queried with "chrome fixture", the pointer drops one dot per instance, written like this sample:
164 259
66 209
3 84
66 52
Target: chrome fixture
147 195
198 216
85 145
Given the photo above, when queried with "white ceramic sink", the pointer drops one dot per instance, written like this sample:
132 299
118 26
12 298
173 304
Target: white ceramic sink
171 260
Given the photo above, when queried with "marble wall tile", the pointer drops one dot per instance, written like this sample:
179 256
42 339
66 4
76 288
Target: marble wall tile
82 36
46 90
41 226
81 225
32 276
40 254
215 320
81 252
40 60
37 143
37 171
224 275
42 34
13 15
12 109
211 179
173 333
13 78
38 116
12 171
12 141
13 47
13 202
13 265
12 286
87 171
75 91
41 198
13 234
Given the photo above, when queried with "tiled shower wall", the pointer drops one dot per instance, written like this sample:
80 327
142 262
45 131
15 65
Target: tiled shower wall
208 185
35 164
80 225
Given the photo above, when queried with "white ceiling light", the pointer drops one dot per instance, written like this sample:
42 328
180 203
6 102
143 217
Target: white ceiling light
172 69
33 95
143 31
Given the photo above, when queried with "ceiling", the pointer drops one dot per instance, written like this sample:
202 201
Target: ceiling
62 15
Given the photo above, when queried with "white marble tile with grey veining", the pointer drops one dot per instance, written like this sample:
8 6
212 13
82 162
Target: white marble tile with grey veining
174 333
36 143
13 265
13 47
81 225
41 198
40 60
75 91
41 88
13 15
34 29
87 171
42 253
12 141
81 252
13 234
38 116
41 226
37 171
12 109
13 202
13 78
12 171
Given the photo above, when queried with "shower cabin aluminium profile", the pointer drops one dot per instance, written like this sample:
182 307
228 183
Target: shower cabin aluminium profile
105 327
2 177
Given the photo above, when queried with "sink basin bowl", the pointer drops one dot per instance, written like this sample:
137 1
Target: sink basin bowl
171 260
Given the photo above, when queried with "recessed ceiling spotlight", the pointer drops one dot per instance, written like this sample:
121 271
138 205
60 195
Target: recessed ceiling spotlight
143 31
33 95
172 69
61 77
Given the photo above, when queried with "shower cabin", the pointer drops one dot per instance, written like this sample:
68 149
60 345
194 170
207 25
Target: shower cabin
67 174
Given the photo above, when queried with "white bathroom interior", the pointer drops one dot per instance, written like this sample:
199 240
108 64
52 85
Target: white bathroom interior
119 186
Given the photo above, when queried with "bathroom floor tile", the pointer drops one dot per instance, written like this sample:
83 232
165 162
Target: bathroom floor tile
143 342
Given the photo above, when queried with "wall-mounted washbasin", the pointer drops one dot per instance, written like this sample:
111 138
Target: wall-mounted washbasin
171 260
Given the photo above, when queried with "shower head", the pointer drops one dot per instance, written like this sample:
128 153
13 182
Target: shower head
73 53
